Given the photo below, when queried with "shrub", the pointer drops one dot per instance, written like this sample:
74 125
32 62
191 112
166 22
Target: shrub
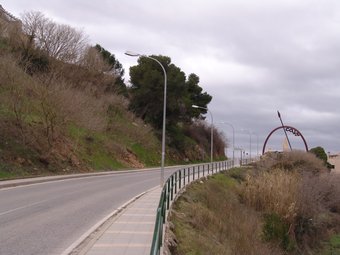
276 229
298 161
300 197
200 132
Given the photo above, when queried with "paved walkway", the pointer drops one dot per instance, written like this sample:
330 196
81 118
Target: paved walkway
132 230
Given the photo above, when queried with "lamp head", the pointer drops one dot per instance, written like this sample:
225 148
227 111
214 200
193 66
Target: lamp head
132 54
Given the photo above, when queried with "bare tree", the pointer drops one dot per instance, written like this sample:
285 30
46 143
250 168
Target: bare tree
93 60
31 21
57 40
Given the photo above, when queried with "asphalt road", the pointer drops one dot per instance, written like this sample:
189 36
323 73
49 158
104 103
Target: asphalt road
46 218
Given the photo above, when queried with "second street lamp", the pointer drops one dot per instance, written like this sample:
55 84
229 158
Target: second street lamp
133 54
227 123
249 132
211 131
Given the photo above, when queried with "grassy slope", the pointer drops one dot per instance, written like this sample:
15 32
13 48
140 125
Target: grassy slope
215 218
123 142
209 219
88 150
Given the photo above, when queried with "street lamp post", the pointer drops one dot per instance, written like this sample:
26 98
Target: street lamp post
257 144
133 54
239 149
211 130
223 122
249 132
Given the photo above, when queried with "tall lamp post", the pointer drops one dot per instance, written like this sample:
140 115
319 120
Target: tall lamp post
241 150
257 144
211 131
249 132
227 123
133 54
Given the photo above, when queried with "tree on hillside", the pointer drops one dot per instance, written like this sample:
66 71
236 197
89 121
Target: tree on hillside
58 41
98 59
147 88
196 96
115 68
93 61
320 153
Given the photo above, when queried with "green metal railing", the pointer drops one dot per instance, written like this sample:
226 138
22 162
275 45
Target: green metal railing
172 186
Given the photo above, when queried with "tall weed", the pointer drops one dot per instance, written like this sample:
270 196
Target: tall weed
209 219
297 195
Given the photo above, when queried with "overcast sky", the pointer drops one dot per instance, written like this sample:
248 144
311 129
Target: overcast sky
253 56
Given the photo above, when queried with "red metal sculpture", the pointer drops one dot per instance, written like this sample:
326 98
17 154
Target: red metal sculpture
293 130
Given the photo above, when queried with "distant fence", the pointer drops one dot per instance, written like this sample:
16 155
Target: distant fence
172 186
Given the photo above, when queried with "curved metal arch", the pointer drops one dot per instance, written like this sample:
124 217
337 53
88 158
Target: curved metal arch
289 129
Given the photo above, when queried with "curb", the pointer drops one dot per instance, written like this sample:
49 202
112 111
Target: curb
35 180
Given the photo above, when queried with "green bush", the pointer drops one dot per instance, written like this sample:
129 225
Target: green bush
276 229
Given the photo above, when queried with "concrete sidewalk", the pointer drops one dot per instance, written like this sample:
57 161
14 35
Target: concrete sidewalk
131 231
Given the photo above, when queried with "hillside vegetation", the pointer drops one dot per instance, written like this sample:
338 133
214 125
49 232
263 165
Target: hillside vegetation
64 108
284 204
48 125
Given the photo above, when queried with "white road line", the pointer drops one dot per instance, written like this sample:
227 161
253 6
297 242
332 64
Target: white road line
23 207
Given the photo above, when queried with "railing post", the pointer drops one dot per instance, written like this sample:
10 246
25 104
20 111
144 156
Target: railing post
164 204
176 181
172 187
168 195
198 171
203 169
184 178
188 175
160 233
180 178
193 173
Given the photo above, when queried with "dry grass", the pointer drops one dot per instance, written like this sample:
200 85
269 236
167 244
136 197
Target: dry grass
209 219
297 188
287 204
298 161
272 192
